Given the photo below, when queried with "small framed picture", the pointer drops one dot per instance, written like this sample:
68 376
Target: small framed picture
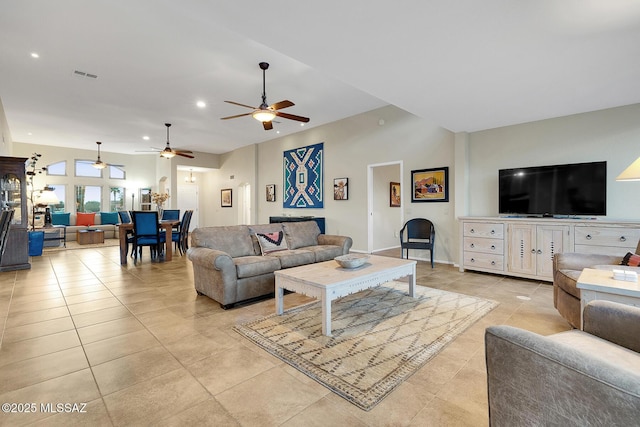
341 189
225 198
430 185
271 192
394 194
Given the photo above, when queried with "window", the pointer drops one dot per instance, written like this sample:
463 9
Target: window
84 168
116 199
59 169
88 198
61 191
117 172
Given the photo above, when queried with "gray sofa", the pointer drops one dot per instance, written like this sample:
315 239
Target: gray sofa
229 265
567 267
573 378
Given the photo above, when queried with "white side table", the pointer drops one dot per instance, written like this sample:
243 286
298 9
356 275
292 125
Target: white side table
600 285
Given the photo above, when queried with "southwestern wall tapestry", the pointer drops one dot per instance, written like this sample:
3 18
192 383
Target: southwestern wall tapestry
303 177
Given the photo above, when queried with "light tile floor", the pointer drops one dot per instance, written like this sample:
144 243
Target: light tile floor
139 347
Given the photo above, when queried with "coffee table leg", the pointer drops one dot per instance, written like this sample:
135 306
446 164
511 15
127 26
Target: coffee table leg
279 299
326 315
412 281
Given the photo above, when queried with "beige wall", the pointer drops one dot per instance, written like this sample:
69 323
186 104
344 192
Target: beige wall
6 143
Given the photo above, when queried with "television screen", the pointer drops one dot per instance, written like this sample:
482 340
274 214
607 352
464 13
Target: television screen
572 189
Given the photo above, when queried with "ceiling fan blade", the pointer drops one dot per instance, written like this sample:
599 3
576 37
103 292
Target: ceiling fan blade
184 151
282 104
115 166
292 117
267 125
241 105
183 154
237 115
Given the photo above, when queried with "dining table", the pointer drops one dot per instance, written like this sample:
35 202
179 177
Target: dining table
167 225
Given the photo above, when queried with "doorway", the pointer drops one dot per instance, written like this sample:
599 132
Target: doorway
383 220
188 200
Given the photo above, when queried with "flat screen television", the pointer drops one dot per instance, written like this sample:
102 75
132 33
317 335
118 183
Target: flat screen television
560 190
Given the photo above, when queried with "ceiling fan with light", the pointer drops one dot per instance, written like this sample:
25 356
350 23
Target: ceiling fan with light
169 152
266 113
99 164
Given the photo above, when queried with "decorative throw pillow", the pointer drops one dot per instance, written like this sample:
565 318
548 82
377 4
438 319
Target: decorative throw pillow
108 218
272 242
87 219
60 218
630 259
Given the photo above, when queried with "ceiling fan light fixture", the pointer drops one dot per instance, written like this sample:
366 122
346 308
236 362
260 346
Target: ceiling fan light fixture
99 165
263 115
167 154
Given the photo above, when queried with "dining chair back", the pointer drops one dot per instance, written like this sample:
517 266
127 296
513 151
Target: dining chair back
125 218
5 222
181 236
146 232
171 214
417 233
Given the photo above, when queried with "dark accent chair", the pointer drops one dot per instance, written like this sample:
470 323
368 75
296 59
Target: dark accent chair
181 236
572 378
146 232
417 233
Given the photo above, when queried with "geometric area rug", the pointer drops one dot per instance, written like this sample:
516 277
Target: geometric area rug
380 337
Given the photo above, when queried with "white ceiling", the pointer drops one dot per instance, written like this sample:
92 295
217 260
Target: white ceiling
466 65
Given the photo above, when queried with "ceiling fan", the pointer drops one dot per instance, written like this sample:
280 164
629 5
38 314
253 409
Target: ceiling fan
266 113
168 152
99 164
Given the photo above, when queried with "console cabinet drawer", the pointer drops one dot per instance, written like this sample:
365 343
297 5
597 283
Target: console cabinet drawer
485 261
479 244
489 230
607 236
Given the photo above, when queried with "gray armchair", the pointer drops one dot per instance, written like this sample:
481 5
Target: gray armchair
573 378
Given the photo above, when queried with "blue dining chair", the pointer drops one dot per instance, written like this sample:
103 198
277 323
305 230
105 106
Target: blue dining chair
146 232
171 214
125 218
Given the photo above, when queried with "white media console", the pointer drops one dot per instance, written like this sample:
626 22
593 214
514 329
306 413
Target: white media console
524 247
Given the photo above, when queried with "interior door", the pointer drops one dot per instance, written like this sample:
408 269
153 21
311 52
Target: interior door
188 200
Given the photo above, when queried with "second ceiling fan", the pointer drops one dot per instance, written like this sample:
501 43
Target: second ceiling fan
266 113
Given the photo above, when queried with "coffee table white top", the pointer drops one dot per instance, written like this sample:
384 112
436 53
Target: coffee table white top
603 281
329 273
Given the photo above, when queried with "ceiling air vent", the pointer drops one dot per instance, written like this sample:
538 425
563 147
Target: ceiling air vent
83 74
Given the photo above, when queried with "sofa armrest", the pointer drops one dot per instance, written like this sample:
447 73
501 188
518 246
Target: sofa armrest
533 380
578 261
211 258
614 322
330 239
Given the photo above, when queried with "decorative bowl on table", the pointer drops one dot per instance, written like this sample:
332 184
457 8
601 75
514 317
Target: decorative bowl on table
351 260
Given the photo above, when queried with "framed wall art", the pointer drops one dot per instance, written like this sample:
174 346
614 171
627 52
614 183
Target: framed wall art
271 192
225 198
341 189
303 177
394 194
430 185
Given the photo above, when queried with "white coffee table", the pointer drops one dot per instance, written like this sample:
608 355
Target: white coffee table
600 284
327 281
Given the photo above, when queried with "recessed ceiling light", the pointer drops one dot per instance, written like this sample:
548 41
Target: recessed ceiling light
301 124
29 133
35 55
201 104
146 138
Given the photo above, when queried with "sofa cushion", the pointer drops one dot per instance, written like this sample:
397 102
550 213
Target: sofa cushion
108 218
324 252
262 228
60 218
235 240
293 258
87 219
272 242
301 234
250 266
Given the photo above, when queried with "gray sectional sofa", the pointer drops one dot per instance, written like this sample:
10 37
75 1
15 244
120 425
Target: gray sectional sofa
235 263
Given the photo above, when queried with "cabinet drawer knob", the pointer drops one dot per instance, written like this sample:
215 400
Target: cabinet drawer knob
493 231
493 263
588 237
472 231
472 245
493 247
472 260
623 239
539 252
533 251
